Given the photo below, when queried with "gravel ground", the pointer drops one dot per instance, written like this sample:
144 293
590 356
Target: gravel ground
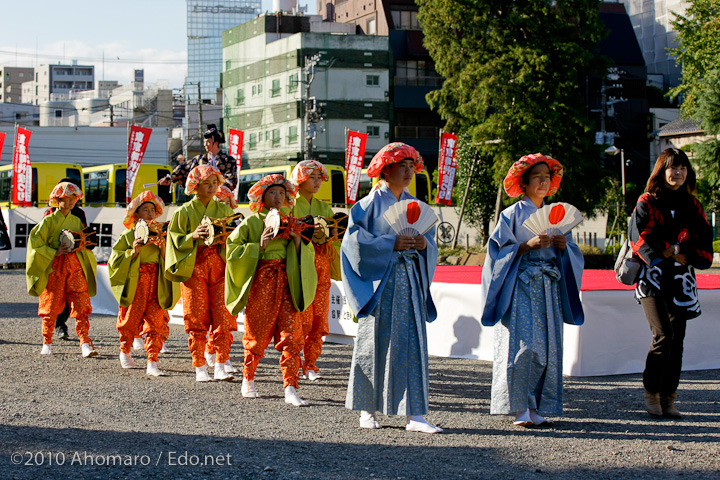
65 416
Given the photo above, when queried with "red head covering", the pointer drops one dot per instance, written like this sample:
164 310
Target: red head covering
512 179
198 175
303 169
258 190
144 197
223 193
393 153
64 189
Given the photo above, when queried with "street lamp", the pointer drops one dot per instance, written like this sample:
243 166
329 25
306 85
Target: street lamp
613 150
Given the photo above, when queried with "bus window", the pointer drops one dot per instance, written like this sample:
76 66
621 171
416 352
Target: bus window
74 173
365 185
35 188
247 180
120 185
96 187
338 186
421 187
164 192
6 185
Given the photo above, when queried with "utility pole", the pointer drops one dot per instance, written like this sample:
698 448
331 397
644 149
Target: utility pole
200 120
311 114
112 116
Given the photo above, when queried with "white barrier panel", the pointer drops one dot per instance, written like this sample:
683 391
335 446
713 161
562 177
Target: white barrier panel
614 339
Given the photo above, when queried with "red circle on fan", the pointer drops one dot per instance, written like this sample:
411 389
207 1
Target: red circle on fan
683 236
557 213
413 212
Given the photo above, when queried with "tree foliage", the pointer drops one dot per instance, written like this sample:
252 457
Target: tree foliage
517 71
698 50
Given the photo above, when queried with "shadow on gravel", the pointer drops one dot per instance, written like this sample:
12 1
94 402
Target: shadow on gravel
79 453
18 309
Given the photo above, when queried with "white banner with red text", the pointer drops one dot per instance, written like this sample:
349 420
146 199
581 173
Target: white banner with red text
137 143
22 169
446 168
354 158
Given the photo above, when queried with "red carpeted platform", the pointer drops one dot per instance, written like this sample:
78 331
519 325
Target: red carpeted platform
592 279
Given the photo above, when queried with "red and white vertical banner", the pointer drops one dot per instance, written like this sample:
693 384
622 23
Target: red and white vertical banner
446 168
2 141
22 169
354 158
137 143
235 142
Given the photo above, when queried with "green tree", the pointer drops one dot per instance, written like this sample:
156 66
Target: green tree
517 71
698 50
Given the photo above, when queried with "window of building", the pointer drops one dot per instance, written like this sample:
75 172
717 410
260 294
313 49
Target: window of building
228 64
417 72
275 90
22 74
58 113
372 80
405 20
228 110
293 82
252 141
292 134
373 130
276 137
240 96
371 30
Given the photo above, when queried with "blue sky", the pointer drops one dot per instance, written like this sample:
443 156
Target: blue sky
149 34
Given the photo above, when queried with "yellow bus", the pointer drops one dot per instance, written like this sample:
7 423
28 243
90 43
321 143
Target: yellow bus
419 186
332 191
105 184
44 178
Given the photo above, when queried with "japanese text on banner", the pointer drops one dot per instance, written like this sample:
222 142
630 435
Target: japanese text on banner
22 168
235 150
354 158
137 143
447 167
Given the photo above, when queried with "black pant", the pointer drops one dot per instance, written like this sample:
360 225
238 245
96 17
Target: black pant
664 360
62 318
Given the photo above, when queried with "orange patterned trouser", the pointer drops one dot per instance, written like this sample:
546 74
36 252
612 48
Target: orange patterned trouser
270 313
66 284
315 317
145 307
204 309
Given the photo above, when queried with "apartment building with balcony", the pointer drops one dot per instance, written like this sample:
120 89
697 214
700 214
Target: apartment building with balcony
11 80
59 80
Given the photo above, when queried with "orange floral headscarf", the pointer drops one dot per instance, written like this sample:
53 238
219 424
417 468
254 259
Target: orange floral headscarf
393 153
223 193
145 197
198 175
303 169
64 189
258 190
512 179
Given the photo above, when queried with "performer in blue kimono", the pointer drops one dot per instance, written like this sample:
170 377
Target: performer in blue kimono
530 286
387 283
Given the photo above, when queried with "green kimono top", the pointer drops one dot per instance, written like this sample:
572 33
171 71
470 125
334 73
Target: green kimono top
181 249
318 208
43 244
124 271
243 255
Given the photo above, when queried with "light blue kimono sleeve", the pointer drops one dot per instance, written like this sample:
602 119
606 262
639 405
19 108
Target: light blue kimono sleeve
571 264
499 272
365 258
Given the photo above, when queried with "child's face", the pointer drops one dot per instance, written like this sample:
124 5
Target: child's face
209 187
67 203
400 173
227 201
274 197
146 211
538 181
312 184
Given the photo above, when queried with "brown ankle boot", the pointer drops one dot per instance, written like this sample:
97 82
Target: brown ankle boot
668 406
652 404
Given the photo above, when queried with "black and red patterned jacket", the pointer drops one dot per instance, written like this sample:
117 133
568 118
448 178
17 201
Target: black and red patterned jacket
676 218
224 162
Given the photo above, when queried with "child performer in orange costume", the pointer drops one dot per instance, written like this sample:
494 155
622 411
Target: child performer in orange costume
226 196
139 285
201 269
55 274
276 278
308 175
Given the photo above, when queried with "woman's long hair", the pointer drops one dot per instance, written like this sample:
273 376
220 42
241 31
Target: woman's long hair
670 157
